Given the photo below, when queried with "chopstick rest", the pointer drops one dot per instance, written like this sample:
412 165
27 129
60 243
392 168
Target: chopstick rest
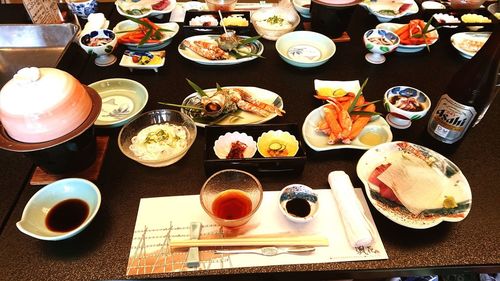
193 257
358 227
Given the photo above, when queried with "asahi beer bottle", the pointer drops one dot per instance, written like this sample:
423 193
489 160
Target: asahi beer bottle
468 95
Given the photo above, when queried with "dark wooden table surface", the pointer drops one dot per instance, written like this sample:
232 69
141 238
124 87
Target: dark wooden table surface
101 251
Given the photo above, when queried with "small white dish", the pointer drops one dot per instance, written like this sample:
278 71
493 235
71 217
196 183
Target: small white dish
433 5
305 48
122 99
298 203
408 48
35 222
446 18
143 60
469 43
223 144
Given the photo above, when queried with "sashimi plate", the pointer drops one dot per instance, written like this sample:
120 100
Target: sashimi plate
238 117
397 9
453 193
147 10
254 47
318 141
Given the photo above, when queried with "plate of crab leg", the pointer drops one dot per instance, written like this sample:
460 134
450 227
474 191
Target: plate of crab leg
232 105
225 49
347 120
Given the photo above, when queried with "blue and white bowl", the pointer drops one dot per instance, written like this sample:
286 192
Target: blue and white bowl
401 118
83 9
298 191
379 42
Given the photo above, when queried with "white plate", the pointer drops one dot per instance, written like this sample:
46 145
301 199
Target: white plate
151 13
192 56
318 141
374 6
458 186
165 40
457 38
408 48
244 117
122 99
127 60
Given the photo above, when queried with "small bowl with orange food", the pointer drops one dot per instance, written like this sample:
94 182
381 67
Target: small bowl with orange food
405 104
231 197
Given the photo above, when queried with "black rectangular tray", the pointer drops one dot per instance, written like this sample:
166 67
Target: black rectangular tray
258 164
198 30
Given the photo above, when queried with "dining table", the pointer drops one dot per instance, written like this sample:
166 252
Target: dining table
101 251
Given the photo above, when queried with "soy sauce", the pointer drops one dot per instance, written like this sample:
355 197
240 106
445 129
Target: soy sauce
298 207
67 215
232 204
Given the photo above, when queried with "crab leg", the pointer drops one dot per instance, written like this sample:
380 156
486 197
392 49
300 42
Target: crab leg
331 120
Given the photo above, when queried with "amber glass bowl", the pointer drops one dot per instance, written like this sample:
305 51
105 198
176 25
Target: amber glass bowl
231 197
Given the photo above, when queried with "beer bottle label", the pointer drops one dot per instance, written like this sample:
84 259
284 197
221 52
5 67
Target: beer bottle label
450 119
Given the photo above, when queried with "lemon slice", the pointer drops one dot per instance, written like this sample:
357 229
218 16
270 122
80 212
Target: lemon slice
339 93
327 92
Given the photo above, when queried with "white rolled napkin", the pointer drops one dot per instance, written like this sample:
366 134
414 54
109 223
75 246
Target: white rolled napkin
357 226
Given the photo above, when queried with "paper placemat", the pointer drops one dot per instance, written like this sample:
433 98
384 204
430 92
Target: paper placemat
163 218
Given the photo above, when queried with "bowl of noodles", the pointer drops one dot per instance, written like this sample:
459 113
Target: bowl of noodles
157 138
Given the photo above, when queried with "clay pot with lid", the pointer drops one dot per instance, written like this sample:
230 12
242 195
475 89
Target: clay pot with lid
48 114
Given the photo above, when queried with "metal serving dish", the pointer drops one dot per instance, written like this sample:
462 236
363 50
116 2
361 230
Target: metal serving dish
40 45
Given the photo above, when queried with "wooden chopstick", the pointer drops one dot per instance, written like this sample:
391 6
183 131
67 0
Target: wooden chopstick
310 240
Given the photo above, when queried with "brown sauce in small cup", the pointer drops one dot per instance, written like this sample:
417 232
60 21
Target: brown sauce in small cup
67 215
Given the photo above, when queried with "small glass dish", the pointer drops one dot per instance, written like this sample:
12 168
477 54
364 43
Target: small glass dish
231 197
153 151
298 203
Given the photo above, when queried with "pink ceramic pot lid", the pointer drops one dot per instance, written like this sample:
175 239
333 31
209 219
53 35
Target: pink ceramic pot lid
8 143
337 3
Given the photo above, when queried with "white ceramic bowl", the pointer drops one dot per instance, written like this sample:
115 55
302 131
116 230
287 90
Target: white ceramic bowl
33 219
157 117
401 118
298 203
303 7
222 145
305 48
273 32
